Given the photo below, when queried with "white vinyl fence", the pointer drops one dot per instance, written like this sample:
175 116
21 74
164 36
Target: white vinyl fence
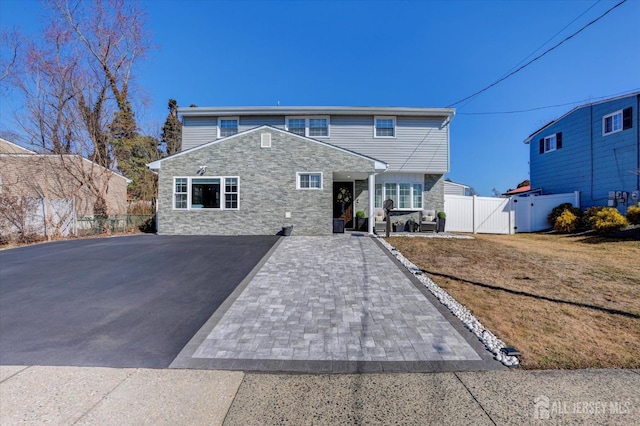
532 211
490 215
484 215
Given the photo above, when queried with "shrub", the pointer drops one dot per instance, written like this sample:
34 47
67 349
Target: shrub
589 214
442 215
567 222
557 211
633 214
360 214
608 220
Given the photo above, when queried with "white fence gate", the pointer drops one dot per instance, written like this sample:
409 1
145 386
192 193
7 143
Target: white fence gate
532 211
485 215
490 215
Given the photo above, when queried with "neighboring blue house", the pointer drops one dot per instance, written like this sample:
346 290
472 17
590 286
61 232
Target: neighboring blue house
594 149
255 170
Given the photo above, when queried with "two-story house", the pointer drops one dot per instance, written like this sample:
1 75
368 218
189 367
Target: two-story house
594 149
254 170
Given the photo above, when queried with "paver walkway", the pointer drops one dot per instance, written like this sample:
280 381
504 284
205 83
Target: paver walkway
334 304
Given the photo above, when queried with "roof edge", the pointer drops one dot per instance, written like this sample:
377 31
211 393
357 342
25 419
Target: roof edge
378 165
615 98
330 110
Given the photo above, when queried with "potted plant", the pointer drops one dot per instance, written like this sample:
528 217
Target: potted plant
442 219
361 221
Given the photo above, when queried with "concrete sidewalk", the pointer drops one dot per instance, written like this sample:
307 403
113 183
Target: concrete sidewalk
110 396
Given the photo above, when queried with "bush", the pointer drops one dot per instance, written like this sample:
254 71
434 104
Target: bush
567 222
360 214
589 214
633 214
442 215
608 220
557 211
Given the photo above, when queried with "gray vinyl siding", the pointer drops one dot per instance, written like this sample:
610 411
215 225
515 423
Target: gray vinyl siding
249 122
197 131
421 144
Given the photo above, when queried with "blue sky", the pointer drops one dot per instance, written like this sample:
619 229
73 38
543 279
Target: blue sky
387 53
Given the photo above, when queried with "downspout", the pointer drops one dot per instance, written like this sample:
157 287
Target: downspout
447 121
591 147
638 141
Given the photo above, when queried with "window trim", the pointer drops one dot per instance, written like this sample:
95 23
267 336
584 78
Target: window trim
604 120
307 119
412 195
300 174
384 117
555 143
223 193
543 143
220 119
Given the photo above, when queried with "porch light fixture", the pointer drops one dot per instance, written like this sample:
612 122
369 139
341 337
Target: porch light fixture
201 170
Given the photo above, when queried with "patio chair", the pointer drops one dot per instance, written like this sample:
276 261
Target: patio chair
428 221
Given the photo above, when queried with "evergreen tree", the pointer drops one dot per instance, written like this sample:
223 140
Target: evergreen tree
133 151
172 129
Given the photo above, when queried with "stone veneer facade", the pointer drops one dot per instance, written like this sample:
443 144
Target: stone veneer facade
433 196
267 185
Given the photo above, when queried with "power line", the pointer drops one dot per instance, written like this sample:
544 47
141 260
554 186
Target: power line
540 47
585 101
554 36
539 56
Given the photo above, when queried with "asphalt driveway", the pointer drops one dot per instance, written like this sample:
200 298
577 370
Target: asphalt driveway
117 302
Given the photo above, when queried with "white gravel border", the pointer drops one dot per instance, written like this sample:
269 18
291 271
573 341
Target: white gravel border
490 341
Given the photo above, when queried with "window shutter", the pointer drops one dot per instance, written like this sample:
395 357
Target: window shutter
558 140
627 119
542 146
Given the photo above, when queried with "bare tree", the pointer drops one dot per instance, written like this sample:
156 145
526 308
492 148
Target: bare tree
10 43
76 83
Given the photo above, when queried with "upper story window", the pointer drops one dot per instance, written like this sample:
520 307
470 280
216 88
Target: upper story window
297 126
385 127
318 127
617 121
227 126
312 127
612 123
551 143
309 181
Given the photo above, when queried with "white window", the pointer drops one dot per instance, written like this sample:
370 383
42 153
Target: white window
550 143
385 127
231 193
313 127
612 123
318 127
297 126
180 193
391 193
227 126
205 192
309 181
404 195
417 196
